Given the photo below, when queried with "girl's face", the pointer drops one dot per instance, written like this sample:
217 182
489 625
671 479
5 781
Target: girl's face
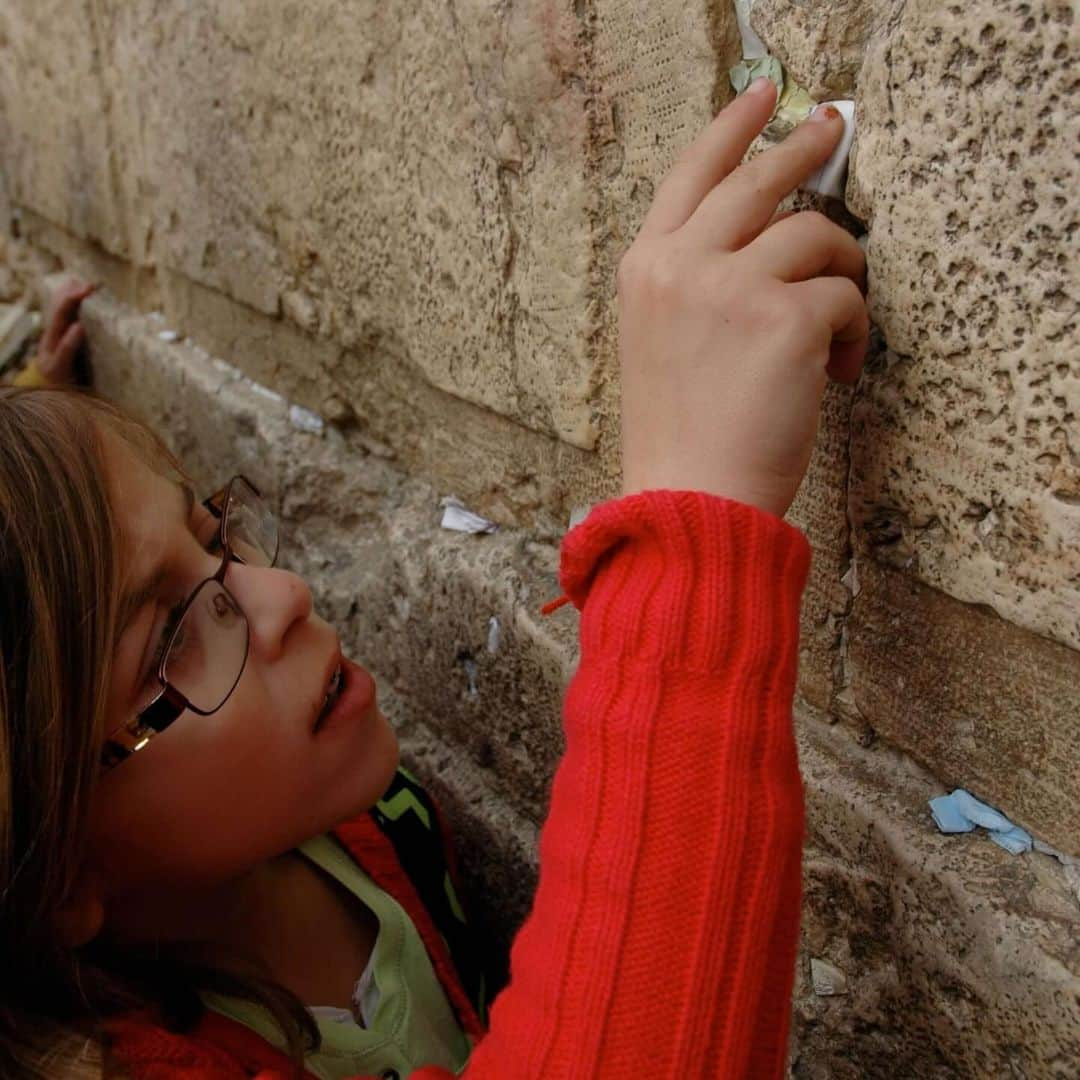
211 796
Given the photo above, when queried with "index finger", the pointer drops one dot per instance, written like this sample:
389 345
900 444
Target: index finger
709 158
740 207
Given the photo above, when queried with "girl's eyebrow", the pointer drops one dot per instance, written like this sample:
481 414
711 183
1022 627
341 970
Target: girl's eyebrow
134 600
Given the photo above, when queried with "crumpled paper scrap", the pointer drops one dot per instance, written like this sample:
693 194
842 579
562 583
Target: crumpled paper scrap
960 812
827 980
457 517
753 48
793 103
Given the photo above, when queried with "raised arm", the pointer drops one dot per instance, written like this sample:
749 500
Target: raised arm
663 934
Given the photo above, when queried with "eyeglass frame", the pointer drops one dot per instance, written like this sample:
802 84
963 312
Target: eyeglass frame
169 703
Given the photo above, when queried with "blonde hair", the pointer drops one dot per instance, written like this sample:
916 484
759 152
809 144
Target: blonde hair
61 556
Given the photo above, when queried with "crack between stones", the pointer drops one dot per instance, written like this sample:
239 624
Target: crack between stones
841 701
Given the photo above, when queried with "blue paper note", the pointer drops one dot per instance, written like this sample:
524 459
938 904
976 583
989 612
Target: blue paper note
962 812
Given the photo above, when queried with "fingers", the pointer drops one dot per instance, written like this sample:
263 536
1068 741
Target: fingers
846 361
780 215
64 334
69 345
840 301
65 309
709 158
67 300
805 245
58 364
740 206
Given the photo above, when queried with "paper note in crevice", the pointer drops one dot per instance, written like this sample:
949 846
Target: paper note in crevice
459 519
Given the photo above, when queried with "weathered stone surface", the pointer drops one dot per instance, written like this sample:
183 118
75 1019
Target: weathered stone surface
962 961
55 119
821 42
820 510
964 434
983 703
508 472
965 439
412 175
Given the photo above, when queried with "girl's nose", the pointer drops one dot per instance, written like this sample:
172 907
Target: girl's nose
273 601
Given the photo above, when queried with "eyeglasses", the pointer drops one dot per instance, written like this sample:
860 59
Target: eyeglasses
206 649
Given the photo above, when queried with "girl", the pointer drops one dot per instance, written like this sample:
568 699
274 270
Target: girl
211 866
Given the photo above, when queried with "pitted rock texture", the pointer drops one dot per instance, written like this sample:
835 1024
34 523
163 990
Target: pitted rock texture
965 453
408 177
965 441
821 42
963 460
55 120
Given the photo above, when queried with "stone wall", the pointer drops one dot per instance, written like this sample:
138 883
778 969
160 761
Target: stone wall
406 218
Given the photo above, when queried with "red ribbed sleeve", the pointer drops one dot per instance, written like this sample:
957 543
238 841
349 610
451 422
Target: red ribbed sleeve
663 933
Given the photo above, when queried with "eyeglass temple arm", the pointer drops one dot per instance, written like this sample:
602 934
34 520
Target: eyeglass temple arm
163 710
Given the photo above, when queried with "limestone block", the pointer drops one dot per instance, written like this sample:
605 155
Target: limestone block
413 173
55 119
961 960
981 702
966 463
383 406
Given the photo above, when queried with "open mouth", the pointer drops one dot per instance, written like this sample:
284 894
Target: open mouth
333 692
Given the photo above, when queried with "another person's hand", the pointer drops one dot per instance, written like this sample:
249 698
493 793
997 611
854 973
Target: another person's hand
732 319
64 334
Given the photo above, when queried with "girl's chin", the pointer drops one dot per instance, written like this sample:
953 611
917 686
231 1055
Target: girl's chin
373 768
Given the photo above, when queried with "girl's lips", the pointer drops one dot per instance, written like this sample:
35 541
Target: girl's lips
355 700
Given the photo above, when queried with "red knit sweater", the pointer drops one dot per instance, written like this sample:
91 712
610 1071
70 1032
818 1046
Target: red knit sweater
663 933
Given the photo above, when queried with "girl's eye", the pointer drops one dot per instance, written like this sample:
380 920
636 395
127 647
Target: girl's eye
212 543
208 533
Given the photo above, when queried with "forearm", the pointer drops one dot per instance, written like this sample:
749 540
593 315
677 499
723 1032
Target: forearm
665 923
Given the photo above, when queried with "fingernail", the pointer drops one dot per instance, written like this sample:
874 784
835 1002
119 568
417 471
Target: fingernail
759 85
825 112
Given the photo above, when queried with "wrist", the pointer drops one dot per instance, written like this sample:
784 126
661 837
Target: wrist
679 576
771 502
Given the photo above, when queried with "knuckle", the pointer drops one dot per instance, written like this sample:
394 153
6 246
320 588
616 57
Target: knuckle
665 274
818 230
815 221
658 273
792 317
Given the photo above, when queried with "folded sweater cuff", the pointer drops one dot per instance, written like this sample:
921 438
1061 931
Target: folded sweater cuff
684 578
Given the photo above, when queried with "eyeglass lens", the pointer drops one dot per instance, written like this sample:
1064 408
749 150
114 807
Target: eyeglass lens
250 526
208 649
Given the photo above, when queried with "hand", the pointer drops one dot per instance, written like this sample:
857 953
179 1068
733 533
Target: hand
64 334
732 318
